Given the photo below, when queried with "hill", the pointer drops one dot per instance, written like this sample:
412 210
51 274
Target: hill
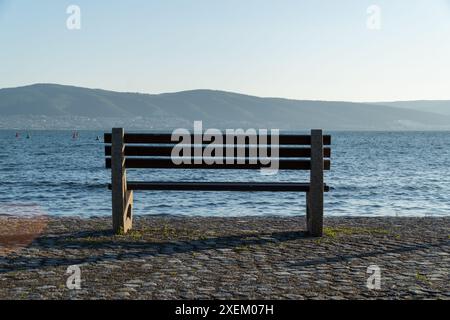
435 106
52 106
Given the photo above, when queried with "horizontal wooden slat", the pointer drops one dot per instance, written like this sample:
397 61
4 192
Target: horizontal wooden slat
222 186
166 151
166 138
166 163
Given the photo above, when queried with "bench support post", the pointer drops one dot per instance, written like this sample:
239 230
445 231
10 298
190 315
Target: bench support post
122 199
308 210
315 196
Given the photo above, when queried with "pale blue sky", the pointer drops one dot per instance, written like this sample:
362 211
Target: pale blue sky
317 49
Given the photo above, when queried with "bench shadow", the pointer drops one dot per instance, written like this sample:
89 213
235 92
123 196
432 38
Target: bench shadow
142 249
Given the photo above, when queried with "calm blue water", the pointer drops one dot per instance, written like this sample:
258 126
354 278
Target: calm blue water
376 174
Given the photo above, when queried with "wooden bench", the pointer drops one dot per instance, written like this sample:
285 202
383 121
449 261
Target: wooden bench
153 150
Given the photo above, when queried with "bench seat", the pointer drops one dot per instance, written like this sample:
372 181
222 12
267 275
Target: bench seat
222 186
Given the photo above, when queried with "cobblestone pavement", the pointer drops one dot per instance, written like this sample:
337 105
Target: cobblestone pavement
225 258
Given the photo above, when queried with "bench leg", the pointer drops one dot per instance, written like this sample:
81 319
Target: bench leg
315 195
123 213
122 199
314 213
308 217
128 212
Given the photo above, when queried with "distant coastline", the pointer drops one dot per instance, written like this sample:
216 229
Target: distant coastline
59 107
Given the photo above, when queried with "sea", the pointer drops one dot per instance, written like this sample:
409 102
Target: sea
372 174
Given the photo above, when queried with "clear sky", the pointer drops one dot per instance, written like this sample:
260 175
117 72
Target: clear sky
316 49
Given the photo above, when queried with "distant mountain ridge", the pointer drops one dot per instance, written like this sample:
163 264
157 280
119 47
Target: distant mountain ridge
53 106
435 106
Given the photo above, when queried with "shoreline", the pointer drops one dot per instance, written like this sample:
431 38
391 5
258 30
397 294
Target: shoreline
180 257
218 216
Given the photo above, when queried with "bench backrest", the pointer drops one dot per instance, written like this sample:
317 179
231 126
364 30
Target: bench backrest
154 150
